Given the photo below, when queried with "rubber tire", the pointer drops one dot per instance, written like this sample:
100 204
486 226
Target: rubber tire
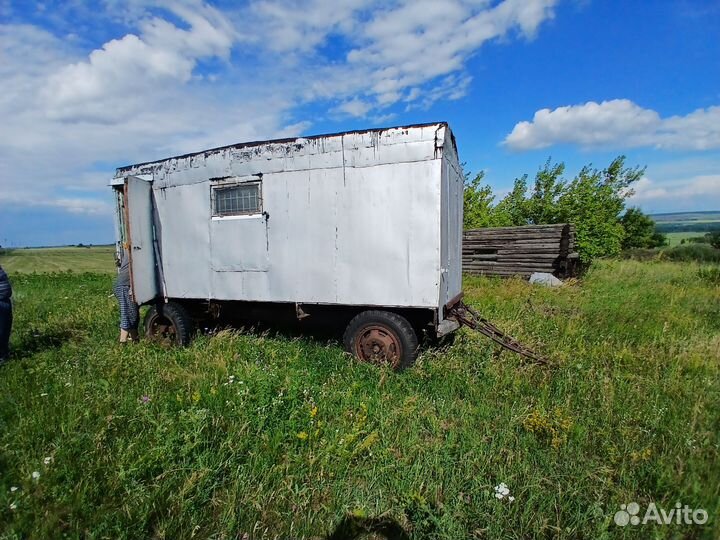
397 324
178 317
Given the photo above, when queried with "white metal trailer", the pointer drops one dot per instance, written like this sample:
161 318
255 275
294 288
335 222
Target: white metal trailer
363 226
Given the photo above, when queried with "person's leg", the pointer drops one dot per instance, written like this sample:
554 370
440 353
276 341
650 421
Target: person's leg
133 317
5 328
129 315
120 295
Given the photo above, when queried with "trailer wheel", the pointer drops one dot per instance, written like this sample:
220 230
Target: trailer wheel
169 324
382 338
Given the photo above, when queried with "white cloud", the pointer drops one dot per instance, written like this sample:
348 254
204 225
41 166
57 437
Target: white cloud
161 53
83 206
355 107
299 26
397 50
452 87
186 75
617 123
409 43
87 205
131 100
699 189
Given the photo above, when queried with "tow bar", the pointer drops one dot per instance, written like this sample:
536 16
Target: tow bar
467 316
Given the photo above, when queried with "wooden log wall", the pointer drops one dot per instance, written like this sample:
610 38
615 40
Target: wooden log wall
511 251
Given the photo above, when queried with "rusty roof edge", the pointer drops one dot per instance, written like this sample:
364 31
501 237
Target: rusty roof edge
126 168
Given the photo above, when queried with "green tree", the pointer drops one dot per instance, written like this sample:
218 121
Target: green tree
659 239
477 203
640 230
512 210
593 202
542 207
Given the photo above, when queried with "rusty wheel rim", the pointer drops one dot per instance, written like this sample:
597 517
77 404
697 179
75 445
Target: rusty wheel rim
162 331
376 344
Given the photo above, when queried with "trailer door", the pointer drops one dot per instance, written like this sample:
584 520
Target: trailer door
238 226
140 237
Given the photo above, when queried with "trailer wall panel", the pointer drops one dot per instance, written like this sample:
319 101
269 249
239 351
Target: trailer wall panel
363 218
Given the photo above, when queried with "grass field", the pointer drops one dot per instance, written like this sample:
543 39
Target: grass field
684 225
676 238
246 435
97 259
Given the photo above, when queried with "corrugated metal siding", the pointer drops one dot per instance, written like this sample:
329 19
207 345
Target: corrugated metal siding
452 236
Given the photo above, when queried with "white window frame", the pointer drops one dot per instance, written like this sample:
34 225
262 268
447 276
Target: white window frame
228 183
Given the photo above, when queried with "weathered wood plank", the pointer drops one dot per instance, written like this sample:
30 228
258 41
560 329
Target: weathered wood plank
507 251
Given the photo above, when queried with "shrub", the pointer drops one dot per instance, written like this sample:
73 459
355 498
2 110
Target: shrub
640 254
711 274
696 252
640 230
693 252
713 239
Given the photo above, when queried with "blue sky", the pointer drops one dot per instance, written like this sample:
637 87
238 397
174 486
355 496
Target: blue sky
88 86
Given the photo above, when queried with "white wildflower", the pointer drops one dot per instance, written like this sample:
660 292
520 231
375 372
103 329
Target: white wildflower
502 491
35 475
13 489
511 498
13 506
48 460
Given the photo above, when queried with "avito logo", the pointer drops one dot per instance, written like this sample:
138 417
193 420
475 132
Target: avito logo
629 514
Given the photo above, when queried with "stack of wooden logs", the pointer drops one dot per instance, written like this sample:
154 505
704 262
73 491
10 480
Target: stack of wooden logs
520 251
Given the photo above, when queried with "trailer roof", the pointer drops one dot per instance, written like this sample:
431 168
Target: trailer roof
285 140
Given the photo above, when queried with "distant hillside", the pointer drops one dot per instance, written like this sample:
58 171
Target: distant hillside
711 215
687 222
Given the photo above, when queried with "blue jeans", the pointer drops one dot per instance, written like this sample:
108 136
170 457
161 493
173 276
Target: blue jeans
5 327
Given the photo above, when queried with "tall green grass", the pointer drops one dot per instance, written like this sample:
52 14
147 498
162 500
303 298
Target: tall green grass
245 435
694 252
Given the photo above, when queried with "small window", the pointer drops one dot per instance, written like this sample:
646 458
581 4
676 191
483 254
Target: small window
236 199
